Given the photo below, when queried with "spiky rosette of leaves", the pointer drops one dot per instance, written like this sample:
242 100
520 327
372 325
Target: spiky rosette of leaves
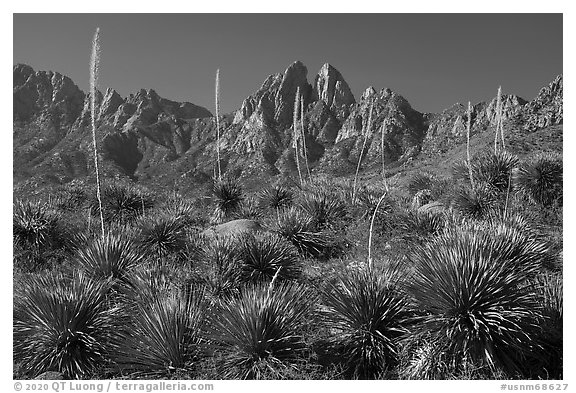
163 335
264 255
541 179
518 244
495 170
420 181
38 234
367 200
326 209
478 306
299 229
477 203
370 315
550 296
221 266
112 257
186 211
249 209
146 283
228 196
261 331
276 198
163 235
64 324
122 203
419 226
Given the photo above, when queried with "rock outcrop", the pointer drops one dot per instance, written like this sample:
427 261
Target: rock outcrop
150 138
546 109
331 88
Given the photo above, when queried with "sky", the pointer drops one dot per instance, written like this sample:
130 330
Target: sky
433 60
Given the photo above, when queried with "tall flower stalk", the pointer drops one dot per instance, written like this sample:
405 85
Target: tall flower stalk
296 135
94 69
304 137
499 123
468 144
366 133
217 104
383 129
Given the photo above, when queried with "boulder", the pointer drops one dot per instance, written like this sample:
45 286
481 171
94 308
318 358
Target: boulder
233 228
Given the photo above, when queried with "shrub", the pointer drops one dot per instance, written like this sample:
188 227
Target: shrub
420 226
299 229
228 196
111 257
548 365
327 210
185 211
261 333
63 324
478 307
477 203
263 255
541 179
163 235
369 315
122 203
249 210
276 198
420 181
163 335
517 243
495 170
221 267
367 200
38 234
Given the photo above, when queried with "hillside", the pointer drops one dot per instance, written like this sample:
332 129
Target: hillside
156 141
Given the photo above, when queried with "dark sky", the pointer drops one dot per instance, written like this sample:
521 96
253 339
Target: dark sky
433 60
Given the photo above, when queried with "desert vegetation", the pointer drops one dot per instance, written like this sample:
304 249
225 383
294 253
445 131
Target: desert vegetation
464 282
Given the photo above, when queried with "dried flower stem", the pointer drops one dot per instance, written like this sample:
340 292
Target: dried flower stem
304 138
367 132
383 129
468 145
217 104
94 68
370 264
296 135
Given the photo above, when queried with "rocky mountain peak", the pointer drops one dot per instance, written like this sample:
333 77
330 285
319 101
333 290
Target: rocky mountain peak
34 91
275 98
546 108
330 87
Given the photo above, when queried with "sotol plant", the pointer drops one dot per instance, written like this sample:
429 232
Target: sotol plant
261 333
369 315
110 257
479 308
164 333
541 179
63 324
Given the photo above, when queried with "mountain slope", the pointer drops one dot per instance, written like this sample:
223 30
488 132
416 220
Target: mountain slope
152 139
